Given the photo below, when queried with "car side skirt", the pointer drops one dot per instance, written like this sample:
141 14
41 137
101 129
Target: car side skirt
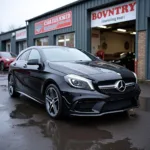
30 97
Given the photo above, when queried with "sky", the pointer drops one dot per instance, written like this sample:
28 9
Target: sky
15 12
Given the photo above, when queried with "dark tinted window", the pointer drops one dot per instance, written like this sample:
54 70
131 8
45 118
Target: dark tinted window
67 54
24 56
34 55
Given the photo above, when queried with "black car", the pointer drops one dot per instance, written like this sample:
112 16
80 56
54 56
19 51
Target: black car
71 81
127 60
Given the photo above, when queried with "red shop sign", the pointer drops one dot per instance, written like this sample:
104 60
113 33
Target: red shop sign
54 23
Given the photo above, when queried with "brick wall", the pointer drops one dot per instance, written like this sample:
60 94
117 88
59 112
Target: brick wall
141 55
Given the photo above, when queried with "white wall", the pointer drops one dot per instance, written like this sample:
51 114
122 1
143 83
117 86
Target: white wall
115 41
95 40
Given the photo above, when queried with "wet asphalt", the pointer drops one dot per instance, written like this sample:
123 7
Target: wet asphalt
25 125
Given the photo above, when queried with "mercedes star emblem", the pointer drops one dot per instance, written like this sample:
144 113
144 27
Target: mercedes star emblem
120 86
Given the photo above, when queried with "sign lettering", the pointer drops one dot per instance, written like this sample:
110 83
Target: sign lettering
115 14
54 23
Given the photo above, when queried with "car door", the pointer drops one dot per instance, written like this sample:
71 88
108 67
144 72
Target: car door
35 78
20 73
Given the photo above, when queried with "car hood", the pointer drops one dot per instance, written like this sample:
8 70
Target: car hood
10 59
97 70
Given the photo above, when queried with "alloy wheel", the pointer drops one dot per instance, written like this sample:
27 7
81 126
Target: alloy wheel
52 102
10 86
11 89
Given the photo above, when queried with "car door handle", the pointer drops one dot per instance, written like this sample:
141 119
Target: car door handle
25 66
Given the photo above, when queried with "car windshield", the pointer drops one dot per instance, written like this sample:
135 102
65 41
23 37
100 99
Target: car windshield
6 55
67 54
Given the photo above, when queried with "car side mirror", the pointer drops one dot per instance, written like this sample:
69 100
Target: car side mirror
34 62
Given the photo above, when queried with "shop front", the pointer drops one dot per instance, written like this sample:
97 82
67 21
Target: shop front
53 24
14 41
113 31
21 42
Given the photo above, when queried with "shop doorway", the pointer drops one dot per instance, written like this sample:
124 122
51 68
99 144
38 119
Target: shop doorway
8 46
113 32
21 46
117 41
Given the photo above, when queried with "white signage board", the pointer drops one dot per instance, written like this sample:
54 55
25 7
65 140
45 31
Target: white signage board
115 14
21 34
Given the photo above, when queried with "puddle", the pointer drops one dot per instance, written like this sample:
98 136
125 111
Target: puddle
1 105
145 104
69 136
3 76
3 73
4 88
64 134
124 144
23 111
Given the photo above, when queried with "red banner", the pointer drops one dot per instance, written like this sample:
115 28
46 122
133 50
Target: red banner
54 23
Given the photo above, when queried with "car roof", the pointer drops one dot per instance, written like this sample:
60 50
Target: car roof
40 47
4 52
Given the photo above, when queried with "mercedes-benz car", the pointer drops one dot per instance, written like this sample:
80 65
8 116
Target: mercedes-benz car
72 82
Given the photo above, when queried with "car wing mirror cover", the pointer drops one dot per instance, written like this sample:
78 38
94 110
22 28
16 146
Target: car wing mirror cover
34 62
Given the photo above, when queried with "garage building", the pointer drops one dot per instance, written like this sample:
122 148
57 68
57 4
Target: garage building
115 26
14 41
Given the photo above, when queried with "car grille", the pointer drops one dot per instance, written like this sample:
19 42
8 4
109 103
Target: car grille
85 106
113 91
110 82
119 105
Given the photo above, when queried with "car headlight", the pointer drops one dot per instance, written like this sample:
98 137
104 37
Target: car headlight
79 82
7 59
135 77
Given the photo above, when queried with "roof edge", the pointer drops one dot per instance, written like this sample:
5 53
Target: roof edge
13 30
57 9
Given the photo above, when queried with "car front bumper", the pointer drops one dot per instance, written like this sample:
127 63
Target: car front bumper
7 64
94 103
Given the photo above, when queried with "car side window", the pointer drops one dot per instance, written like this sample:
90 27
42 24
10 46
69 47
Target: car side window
24 56
34 55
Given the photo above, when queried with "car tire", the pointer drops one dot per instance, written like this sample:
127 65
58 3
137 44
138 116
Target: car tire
2 67
53 102
11 87
125 114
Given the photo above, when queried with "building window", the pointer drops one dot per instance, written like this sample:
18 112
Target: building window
21 46
66 40
41 42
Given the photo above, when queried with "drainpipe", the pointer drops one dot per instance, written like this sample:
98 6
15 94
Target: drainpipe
27 32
